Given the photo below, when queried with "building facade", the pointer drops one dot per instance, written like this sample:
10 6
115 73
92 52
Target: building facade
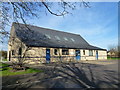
41 45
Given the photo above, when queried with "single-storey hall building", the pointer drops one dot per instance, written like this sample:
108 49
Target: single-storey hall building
39 45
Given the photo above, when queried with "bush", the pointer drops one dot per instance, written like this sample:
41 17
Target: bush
4 54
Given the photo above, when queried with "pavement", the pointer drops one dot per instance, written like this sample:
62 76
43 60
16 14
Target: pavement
87 74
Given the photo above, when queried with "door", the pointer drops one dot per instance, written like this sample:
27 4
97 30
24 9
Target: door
97 55
77 54
48 55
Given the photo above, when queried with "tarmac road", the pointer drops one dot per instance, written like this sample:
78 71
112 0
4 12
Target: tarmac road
87 74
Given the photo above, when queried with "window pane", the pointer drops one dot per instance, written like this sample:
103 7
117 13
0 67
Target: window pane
20 51
90 53
65 38
55 52
72 39
47 36
83 52
13 53
57 37
65 52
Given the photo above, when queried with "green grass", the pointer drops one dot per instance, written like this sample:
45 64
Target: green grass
4 60
3 64
113 58
7 71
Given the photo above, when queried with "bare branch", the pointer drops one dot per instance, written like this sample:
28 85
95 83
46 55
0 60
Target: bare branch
17 11
62 14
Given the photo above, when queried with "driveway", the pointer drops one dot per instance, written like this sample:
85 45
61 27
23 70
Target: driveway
87 74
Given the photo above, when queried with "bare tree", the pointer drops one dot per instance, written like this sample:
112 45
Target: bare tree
19 62
23 11
113 51
15 11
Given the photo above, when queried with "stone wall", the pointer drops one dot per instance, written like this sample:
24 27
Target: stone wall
38 55
13 49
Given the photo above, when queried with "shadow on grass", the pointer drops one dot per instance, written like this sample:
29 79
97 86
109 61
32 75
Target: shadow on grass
4 67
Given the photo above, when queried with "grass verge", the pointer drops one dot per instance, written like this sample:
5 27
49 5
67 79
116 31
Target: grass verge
113 58
5 70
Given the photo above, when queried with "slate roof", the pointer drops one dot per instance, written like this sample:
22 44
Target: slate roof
42 37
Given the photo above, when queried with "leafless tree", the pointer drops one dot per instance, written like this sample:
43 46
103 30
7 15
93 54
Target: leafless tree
113 51
19 62
22 11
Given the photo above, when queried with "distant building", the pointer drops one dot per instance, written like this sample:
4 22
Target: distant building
50 45
112 54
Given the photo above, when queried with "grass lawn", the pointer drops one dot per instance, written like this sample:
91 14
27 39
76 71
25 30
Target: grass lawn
4 60
113 58
5 70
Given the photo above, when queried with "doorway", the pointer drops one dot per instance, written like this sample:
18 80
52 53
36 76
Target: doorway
77 54
96 55
47 55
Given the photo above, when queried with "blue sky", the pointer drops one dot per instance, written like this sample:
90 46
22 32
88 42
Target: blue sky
98 25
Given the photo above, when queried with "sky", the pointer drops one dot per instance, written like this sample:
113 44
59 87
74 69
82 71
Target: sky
98 25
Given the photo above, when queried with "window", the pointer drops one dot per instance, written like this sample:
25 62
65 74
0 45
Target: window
65 52
55 51
57 37
83 52
20 51
72 39
77 52
65 38
13 53
90 53
47 36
